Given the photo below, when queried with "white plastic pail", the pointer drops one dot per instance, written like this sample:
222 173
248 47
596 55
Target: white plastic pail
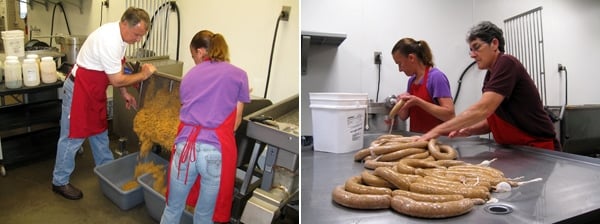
14 43
338 121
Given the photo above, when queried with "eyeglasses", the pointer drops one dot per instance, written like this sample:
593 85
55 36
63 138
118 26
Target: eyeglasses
476 46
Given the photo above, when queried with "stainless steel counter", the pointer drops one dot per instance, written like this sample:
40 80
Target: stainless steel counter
569 192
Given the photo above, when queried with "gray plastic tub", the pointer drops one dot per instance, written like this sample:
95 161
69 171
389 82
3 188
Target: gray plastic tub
155 202
114 174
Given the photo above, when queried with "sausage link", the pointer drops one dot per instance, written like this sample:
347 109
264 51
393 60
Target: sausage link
427 197
360 201
375 181
372 164
397 155
396 108
407 206
449 184
405 169
361 154
429 158
419 156
464 191
484 169
398 180
419 163
449 163
468 182
385 149
354 185
441 151
388 136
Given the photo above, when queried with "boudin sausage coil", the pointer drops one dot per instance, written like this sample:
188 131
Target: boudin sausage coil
464 191
372 164
441 151
400 181
354 185
397 155
449 163
407 206
427 197
360 201
482 169
385 149
375 181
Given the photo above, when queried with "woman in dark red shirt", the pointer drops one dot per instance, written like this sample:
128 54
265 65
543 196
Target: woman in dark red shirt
510 106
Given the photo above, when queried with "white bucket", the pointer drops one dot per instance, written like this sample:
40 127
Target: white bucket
338 121
14 43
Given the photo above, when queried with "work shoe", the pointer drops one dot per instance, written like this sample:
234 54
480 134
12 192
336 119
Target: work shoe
68 191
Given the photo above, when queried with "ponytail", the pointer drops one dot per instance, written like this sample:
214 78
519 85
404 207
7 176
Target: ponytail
218 51
419 48
215 45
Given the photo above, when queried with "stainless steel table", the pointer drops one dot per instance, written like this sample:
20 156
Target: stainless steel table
569 192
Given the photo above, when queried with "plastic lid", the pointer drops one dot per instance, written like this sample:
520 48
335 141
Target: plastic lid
32 56
12 57
12 61
47 58
29 60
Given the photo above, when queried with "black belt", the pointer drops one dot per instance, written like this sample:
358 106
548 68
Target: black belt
71 77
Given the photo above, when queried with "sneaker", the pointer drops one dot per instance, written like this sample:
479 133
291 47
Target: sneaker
68 191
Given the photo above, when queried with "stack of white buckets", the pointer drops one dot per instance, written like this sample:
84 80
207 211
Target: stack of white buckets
338 121
26 72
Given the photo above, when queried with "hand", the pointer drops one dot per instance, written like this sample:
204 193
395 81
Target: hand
465 132
410 100
148 70
428 136
130 101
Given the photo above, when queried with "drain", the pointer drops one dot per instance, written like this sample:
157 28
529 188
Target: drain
498 209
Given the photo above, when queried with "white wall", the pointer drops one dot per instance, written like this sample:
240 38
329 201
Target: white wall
248 28
571 31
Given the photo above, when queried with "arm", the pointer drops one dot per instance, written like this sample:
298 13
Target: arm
474 114
444 111
478 129
122 80
238 117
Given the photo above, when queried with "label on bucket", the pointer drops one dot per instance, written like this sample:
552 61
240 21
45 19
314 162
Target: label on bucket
355 124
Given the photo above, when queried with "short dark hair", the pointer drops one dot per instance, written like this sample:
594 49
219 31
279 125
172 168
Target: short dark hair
133 16
487 31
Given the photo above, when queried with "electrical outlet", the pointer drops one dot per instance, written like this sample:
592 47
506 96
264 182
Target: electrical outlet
285 13
377 57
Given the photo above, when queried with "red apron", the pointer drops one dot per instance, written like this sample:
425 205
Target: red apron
420 120
88 108
505 133
228 167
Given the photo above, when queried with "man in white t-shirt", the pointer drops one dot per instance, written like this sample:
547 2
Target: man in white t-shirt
99 64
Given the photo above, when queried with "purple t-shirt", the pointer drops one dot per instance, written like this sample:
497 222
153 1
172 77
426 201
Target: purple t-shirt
437 84
209 92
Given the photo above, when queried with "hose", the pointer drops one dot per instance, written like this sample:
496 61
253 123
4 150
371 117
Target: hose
271 56
460 80
173 5
52 24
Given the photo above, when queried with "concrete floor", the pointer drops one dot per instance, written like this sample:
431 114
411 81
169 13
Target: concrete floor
26 196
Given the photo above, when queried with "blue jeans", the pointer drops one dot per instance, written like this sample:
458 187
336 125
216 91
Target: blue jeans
67 147
208 167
